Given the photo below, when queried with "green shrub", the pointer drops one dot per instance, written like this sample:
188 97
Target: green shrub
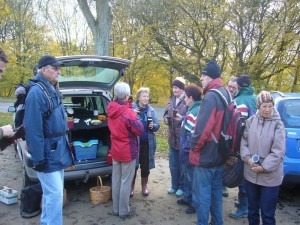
6 118
162 138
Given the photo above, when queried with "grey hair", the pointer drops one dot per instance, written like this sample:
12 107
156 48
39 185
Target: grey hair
121 90
233 79
142 90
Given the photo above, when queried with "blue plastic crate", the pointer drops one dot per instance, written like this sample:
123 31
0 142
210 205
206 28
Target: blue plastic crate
87 150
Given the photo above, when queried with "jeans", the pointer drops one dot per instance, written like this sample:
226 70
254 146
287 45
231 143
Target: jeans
53 186
188 183
122 176
242 187
207 194
177 177
264 199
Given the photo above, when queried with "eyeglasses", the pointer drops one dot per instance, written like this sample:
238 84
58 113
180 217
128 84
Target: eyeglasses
56 68
232 87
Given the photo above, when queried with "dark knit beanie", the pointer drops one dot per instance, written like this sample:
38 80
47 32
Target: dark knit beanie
212 70
178 83
194 91
243 80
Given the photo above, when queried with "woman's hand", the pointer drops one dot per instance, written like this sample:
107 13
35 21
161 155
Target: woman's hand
178 117
137 111
7 131
255 167
251 163
258 169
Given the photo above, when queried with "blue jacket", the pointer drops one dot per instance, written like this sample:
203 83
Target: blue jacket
150 134
53 150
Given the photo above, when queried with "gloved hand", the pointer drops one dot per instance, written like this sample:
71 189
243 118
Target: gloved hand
40 167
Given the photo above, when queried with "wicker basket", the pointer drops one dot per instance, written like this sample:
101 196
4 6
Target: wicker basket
100 194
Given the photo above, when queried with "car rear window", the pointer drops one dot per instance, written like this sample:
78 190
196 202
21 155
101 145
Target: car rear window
290 113
90 71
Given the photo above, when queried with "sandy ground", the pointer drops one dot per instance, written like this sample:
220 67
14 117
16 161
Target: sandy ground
158 208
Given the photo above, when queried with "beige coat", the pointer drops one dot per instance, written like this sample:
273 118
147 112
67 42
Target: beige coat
264 137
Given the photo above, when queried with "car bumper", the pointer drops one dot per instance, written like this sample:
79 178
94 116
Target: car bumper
291 170
78 175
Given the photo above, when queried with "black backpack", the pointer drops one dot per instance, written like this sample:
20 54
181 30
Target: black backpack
21 93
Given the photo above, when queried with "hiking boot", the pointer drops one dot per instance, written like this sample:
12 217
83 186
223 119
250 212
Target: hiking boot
144 182
132 185
190 210
242 210
181 202
239 214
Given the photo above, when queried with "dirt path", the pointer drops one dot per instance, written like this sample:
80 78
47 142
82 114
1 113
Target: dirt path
158 208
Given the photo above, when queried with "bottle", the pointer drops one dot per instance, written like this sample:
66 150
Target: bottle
149 120
96 114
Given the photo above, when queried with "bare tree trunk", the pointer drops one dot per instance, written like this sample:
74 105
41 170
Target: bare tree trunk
296 86
100 26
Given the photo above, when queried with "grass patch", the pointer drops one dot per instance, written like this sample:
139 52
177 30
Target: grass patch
162 138
6 118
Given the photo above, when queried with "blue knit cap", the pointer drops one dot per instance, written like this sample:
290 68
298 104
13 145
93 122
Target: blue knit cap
212 70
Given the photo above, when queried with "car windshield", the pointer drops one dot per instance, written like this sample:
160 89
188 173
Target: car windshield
90 71
290 113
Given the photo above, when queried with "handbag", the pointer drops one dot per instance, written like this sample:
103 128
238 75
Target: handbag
233 171
31 197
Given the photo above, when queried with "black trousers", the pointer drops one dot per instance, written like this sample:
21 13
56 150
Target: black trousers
144 158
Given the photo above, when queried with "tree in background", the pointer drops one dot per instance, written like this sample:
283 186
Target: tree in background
22 38
68 27
162 38
99 19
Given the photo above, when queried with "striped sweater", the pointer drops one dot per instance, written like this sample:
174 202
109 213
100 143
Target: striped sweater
188 126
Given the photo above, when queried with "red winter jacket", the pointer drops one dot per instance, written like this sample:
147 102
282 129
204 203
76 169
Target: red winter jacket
124 128
204 147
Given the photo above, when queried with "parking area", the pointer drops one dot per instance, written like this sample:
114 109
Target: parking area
158 208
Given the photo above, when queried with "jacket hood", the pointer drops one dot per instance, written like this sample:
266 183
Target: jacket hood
245 91
275 115
116 108
215 83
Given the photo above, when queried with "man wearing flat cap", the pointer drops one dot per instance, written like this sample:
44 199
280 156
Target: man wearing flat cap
245 99
45 127
204 154
176 105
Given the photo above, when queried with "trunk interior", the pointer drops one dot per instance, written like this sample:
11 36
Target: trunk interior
101 134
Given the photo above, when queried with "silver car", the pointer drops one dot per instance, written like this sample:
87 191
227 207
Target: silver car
85 83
